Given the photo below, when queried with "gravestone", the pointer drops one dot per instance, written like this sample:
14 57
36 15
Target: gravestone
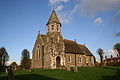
75 69
30 70
10 74
68 68
6 70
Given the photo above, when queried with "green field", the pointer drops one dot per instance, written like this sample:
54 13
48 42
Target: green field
104 73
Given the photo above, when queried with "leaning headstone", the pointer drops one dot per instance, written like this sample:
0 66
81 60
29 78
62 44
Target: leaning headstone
10 74
30 70
15 68
75 69
68 68
6 70
104 64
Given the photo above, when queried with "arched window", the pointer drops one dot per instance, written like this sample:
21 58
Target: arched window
69 59
38 52
79 59
38 47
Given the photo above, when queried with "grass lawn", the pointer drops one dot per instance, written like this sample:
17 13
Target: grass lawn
104 73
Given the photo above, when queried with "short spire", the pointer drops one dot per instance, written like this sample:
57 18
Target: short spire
53 24
53 17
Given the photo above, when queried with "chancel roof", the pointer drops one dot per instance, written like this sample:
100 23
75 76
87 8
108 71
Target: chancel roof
73 47
86 50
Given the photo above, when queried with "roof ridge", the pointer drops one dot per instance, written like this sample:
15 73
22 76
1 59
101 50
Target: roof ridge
70 40
43 34
81 44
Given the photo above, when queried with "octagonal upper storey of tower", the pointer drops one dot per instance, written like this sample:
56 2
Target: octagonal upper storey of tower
53 24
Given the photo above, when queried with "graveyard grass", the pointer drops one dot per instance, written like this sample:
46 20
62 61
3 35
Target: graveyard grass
102 73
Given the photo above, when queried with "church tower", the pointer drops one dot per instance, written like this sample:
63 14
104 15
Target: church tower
53 24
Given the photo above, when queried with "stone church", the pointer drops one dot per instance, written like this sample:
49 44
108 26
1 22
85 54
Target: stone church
52 51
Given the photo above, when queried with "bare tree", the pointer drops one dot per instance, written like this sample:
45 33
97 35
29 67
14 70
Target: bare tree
100 53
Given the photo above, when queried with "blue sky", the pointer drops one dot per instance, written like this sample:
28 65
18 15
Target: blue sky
95 23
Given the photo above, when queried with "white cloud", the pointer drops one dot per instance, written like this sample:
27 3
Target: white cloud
112 52
7 63
59 8
89 7
98 21
53 2
64 18
117 16
92 7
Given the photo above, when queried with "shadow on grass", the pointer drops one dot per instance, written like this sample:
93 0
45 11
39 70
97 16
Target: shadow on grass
29 77
115 77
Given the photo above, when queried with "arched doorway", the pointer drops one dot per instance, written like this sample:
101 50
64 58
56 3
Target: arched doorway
58 62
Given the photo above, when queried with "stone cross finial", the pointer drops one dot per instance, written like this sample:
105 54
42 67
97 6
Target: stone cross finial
39 32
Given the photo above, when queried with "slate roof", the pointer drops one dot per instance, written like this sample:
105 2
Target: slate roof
86 50
73 47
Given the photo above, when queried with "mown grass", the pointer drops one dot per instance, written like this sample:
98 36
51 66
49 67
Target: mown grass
104 73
